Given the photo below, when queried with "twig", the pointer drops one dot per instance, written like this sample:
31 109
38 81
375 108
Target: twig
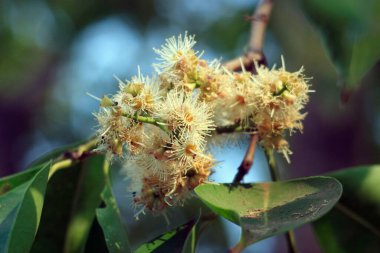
83 151
254 51
237 248
290 236
59 165
69 158
247 162
291 241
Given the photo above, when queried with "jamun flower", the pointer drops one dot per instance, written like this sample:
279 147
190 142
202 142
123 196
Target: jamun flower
141 94
281 97
185 116
177 53
162 127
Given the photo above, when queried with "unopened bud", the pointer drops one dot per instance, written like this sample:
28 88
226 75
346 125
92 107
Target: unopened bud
288 97
116 146
279 142
106 102
134 89
278 86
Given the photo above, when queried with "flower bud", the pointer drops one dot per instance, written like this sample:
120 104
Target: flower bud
116 146
134 89
106 102
288 97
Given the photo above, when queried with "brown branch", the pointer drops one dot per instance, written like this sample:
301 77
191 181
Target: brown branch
291 241
254 52
82 151
247 162
237 248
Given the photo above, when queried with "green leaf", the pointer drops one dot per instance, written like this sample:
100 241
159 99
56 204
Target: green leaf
87 199
351 31
72 196
179 240
111 223
20 210
353 225
190 244
267 209
10 182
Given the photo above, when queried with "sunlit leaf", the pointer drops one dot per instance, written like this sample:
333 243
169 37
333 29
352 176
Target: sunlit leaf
267 209
353 225
20 210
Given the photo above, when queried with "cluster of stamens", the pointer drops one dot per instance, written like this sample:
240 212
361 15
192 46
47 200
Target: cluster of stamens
161 126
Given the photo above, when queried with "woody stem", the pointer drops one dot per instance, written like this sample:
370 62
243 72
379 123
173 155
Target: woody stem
254 51
247 162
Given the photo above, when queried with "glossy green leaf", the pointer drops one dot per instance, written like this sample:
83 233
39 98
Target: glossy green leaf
72 196
12 181
354 224
351 31
20 210
267 209
111 223
179 240
87 199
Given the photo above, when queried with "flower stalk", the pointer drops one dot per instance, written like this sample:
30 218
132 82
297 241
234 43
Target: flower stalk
147 120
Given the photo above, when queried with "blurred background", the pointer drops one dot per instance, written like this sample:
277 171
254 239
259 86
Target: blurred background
53 52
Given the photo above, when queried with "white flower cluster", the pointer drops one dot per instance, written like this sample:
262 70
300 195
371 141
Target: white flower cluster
161 125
